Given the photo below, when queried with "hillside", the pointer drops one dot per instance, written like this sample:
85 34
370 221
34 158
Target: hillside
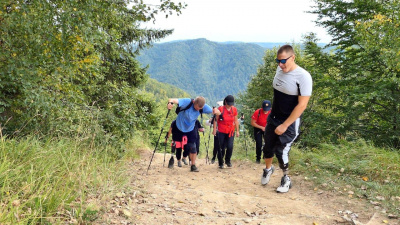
162 90
202 67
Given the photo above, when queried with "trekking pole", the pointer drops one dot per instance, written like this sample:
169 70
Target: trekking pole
244 134
209 136
205 145
165 149
162 129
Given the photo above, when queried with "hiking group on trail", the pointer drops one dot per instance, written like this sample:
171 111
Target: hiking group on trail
277 123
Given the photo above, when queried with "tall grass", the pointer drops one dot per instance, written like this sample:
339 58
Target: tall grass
370 172
49 181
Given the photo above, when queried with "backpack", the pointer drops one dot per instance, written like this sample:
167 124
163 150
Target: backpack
180 109
221 117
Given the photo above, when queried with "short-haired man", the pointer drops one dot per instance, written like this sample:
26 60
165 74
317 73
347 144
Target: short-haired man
292 90
185 122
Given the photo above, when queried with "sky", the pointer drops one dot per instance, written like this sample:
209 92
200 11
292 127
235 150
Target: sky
243 20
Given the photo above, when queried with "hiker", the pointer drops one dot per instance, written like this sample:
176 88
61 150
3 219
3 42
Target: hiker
292 90
188 111
227 122
259 121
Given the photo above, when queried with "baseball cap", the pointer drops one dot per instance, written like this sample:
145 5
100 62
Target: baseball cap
266 105
229 100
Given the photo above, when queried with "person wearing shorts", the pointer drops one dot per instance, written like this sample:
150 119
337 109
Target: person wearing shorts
292 90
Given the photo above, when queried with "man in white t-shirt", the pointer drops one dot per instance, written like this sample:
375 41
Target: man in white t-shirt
292 90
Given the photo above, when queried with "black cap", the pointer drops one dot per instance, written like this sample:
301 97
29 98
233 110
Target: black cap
229 100
266 105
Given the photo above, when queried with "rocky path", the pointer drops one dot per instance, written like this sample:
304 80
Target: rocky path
228 196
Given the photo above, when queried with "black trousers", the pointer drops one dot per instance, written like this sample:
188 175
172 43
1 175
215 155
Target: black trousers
225 142
258 137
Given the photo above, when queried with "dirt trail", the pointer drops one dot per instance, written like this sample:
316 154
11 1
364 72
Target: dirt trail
228 196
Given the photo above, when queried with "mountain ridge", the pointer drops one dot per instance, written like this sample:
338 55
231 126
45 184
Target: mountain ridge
203 67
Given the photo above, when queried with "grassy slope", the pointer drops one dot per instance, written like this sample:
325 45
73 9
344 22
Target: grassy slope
49 181
52 180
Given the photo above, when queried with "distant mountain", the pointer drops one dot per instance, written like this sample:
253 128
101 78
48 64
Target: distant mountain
269 45
202 67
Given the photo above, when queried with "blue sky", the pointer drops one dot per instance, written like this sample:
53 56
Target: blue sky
244 20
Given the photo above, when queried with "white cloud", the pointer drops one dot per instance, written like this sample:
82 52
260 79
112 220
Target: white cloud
244 20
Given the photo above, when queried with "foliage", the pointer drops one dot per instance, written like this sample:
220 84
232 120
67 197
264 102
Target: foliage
50 180
355 86
362 77
202 67
64 64
163 91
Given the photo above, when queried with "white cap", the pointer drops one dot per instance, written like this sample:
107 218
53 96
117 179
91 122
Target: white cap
220 103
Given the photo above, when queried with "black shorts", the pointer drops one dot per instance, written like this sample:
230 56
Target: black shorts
279 144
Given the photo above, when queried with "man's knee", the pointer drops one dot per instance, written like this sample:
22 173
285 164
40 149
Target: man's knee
267 154
191 147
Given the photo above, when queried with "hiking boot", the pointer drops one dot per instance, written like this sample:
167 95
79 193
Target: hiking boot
179 163
267 175
193 168
229 164
286 184
221 166
212 160
184 161
258 161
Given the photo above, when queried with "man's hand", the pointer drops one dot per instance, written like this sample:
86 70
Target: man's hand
237 133
201 129
281 129
170 105
262 128
214 132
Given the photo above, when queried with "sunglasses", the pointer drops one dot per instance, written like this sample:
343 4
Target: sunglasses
283 61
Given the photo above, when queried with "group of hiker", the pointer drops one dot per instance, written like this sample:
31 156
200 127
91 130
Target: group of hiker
277 123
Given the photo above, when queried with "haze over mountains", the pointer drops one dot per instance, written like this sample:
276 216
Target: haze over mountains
202 67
